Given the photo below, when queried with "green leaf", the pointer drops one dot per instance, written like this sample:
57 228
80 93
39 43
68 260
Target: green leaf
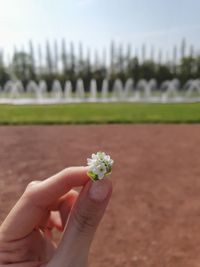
93 176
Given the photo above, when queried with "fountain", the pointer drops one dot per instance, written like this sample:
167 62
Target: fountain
42 90
144 91
105 90
93 90
14 88
118 93
68 91
80 90
170 91
8 87
56 92
192 87
32 88
128 89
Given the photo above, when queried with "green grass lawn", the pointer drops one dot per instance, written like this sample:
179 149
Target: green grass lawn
99 113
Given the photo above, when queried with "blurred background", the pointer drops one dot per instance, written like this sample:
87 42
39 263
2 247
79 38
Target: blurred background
99 39
129 63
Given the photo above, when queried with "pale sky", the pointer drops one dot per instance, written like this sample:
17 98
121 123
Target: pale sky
161 23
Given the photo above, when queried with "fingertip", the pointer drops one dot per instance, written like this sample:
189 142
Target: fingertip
100 190
73 172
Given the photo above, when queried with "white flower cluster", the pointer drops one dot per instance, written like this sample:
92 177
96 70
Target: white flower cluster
99 165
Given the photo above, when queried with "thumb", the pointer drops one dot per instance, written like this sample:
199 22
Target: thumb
85 217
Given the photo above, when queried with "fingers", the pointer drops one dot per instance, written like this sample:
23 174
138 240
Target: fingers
33 248
58 218
61 210
84 219
66 206
54 221
35 202
50 190
28 264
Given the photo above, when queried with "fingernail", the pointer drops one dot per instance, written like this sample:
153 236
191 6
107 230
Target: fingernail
99 190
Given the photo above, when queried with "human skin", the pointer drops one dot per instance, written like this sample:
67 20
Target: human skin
26 234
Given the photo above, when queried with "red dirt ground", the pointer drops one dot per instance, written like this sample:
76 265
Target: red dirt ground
153 219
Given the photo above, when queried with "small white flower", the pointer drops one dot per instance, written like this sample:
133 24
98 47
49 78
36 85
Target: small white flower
100 165
108 160
94 157
90 162
100 170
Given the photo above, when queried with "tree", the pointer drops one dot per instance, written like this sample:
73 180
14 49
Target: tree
64 57
128 58
191 51
22 66
40 59
186 68
56 57
3 73
160 57
183 48
143 53
135 69
96 60
120 59
1 59
49 60
104 63
32 58
152 55
81 61
88 69
72 59
163 73
112 58
174 59
147 70
25 65
197 61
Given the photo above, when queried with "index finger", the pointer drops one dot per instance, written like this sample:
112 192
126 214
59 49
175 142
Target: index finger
34 203
49 190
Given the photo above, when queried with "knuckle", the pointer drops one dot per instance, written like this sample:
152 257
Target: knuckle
31 189
69 170
16 251
32 186
84 221
14 256
23 254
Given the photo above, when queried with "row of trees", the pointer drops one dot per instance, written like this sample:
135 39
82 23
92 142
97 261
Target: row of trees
58 62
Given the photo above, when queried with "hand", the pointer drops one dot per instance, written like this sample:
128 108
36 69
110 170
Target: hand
26 234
